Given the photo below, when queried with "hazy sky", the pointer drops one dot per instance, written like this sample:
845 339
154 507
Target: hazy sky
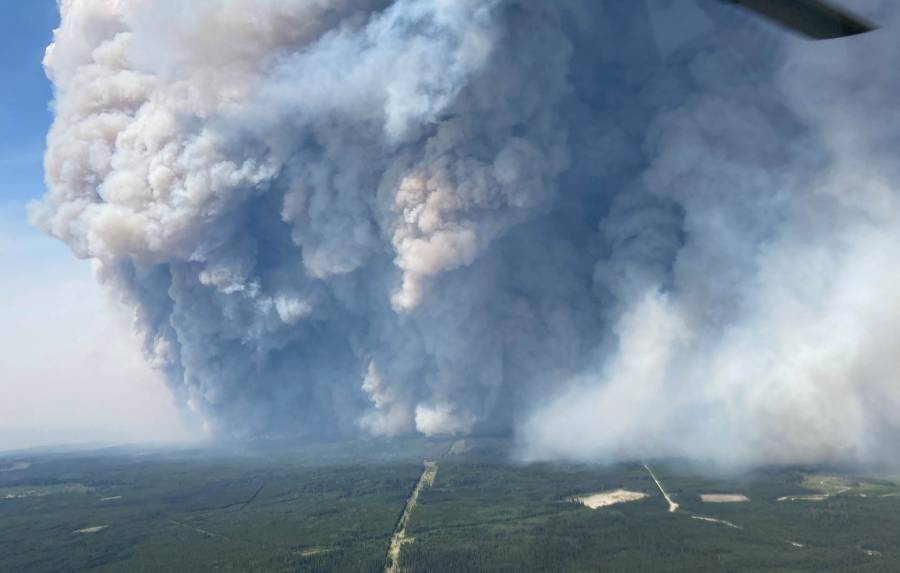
69 370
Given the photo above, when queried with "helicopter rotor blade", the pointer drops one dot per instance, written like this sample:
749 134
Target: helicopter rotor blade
816 19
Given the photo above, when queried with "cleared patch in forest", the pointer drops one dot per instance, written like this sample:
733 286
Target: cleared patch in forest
92 529
723 497
803 498
714 520
20 492
606 498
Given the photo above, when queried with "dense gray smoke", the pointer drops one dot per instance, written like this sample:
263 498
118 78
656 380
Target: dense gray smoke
616 229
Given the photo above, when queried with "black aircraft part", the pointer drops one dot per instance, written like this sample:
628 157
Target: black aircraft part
814 18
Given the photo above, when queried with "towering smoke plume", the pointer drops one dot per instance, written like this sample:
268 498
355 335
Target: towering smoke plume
613 228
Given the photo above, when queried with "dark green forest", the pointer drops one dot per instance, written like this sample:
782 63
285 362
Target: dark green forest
333 507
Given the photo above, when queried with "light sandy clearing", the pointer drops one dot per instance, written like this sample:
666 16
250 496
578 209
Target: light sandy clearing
714 520
19 492
314 551
93 529
829 485
399 538
803 498
723 497
672 505
605 498
197 529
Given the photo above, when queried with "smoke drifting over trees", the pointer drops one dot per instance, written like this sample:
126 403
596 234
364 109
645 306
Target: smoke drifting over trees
612 228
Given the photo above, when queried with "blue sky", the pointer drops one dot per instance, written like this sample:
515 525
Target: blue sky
26 29
69 369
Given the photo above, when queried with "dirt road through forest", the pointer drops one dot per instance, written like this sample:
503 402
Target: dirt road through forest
672 505
399 537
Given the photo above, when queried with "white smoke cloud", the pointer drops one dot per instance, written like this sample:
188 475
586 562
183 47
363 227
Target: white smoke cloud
774 341
618 229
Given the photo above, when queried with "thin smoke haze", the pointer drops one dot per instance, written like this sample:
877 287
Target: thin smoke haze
615 229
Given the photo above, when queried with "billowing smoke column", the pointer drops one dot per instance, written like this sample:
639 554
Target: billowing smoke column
617 229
